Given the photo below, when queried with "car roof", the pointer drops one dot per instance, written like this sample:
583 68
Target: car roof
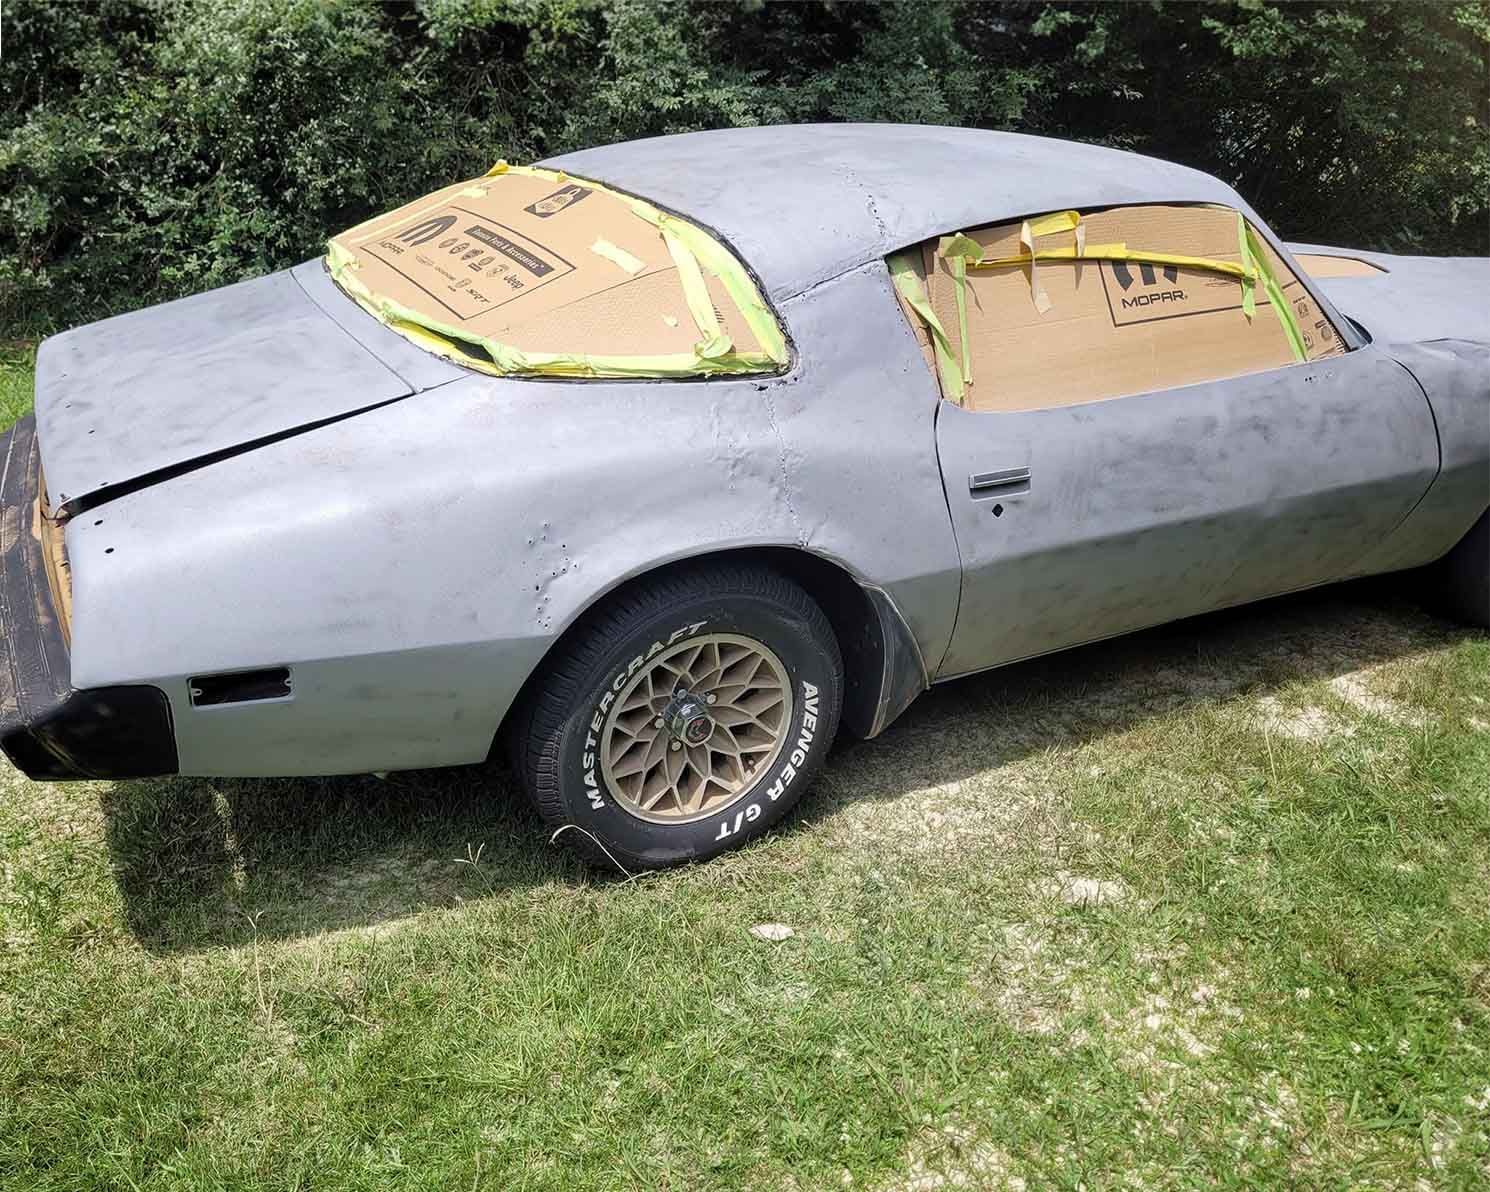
803 203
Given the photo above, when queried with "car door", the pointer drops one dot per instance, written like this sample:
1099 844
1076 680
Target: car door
1080 518
1080 522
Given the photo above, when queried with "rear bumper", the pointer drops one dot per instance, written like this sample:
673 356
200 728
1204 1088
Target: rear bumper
49 729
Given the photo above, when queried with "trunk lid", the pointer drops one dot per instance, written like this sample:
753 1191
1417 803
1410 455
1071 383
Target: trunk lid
148 394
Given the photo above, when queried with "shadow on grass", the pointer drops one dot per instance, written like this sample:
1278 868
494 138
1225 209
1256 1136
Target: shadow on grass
983 721
203 863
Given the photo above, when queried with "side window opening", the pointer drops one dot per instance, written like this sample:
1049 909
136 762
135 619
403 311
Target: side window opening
1075 307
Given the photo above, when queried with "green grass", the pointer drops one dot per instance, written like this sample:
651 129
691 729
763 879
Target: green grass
1206 907
1209 906
17 380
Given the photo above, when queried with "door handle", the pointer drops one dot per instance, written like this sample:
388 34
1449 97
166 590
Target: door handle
1005 481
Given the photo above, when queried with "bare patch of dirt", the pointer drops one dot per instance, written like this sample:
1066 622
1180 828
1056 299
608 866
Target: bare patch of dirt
952 1156
1036 984
1087 891
1309 723
1002 809
1353 687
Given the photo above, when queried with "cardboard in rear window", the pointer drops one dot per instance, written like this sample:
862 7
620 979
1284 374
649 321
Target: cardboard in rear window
526 270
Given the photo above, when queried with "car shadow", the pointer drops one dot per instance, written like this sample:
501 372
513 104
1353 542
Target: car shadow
204 863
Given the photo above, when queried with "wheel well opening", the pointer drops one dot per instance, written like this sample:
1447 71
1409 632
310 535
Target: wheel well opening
847 606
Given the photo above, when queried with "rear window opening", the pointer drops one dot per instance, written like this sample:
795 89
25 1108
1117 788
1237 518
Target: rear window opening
1318 264
530 271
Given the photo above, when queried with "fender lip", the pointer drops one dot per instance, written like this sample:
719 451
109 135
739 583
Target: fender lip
48 728
903 674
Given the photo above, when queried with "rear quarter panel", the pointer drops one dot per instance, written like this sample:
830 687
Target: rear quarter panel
1432 314
1455 376
1413 299
413 564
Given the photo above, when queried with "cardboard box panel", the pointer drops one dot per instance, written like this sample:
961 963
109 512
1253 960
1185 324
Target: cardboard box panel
495 253
1320 336
615 320
918 260
1117 327
647 310
544 264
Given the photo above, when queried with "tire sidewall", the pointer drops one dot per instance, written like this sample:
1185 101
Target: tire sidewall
812 670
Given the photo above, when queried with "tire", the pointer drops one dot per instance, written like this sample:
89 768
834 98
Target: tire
618 789
1463 576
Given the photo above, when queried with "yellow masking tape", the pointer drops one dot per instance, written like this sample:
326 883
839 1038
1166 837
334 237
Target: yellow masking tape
714 341
712 255
959 250
1249 278
617 255
714 355
1275 295
443 339
1037 291
1116 252
737 282
909 286
1056 221
1252 269
1032 229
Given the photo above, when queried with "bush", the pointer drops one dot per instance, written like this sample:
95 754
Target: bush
151 148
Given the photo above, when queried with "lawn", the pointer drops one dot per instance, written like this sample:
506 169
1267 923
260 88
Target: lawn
1209 906
17 359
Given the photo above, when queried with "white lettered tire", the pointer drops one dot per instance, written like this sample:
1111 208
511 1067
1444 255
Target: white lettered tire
685 718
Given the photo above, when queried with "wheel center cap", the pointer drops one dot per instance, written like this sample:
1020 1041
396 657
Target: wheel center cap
687 719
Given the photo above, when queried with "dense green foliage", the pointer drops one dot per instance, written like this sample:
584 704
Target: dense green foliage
150 148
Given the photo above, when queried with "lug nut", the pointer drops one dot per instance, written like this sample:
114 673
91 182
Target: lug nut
677 745
657 723
711 698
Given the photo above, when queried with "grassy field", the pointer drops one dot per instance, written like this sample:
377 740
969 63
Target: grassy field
17 359
1209 906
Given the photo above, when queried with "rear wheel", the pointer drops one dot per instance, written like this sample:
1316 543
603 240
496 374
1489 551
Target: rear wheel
685 719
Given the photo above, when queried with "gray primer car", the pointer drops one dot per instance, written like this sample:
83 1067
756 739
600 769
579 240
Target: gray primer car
299 544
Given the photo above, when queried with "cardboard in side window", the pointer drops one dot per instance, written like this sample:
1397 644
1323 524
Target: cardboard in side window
1115 328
